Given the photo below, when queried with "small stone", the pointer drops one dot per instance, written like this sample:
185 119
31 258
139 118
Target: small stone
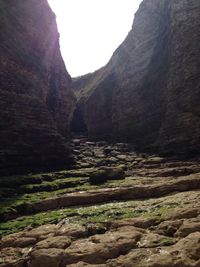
88 153
114 153
112 160
90 143
85 165
121 157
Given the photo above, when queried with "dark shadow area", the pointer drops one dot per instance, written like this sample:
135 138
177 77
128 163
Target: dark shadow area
78 124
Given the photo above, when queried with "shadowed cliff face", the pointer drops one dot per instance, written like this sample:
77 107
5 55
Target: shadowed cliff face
36 101
154 90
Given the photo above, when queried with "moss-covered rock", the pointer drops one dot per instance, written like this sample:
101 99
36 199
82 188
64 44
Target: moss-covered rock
104 174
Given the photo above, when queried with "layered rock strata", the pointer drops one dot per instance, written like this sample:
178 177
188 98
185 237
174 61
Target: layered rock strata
36 100
148 93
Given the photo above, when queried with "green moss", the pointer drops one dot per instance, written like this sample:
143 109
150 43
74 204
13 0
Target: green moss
18 180
90 214
53 185
20 223
36 188
158 208
168 241
13 181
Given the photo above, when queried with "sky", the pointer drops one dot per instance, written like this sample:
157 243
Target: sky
91 30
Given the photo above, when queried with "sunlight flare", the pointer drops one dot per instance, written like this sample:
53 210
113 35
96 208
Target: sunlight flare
91 30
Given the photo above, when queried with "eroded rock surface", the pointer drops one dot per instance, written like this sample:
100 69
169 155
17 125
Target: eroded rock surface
36 100
123 244
151 218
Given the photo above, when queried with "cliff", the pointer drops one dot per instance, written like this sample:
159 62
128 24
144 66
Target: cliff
36 100
148 93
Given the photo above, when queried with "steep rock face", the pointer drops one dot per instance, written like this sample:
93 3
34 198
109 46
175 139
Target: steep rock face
36 101
148 93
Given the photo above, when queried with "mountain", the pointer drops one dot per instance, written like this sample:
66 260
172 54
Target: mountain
148 93
36 100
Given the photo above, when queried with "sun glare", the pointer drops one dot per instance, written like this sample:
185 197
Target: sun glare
90 30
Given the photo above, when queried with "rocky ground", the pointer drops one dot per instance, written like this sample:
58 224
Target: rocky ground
114 208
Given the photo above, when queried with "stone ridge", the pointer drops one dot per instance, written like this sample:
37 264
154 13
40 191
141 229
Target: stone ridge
148 93
36 100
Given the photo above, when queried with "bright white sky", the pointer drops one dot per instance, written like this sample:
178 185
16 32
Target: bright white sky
91 30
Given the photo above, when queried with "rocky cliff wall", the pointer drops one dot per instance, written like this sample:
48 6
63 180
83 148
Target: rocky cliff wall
36 100
148 93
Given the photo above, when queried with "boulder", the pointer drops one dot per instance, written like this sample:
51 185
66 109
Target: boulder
104 174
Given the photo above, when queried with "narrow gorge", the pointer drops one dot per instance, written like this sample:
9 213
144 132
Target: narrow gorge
101 170
148 92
